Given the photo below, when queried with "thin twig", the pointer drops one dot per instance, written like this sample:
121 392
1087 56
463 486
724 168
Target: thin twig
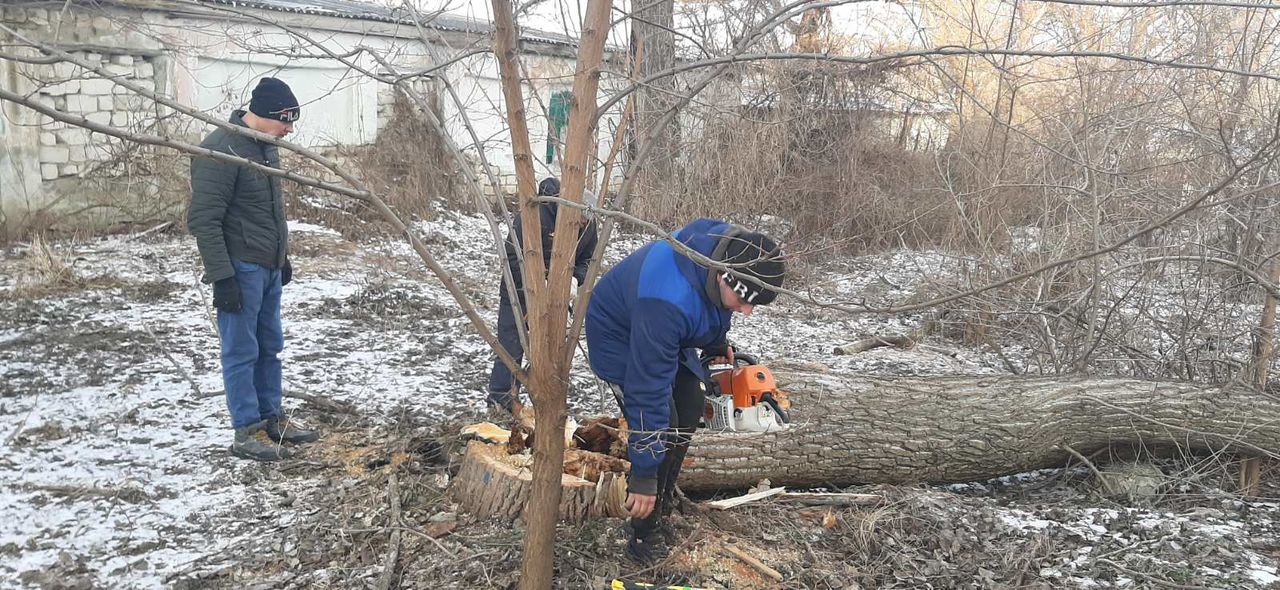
1106 483
165 351
428 537
35 402
389 565
1156 579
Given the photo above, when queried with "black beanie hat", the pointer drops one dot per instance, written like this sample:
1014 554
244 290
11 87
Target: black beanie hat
758 256
272 99
549 187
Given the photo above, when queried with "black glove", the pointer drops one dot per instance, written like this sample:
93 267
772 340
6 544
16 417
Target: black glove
717 350
226 294
286 273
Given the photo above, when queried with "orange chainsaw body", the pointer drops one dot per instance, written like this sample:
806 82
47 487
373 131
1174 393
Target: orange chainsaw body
748 384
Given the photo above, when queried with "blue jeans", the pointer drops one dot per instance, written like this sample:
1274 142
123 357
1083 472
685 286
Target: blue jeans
251 343
500 378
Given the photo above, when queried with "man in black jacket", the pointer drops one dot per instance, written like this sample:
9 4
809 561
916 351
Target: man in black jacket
500 379
237 218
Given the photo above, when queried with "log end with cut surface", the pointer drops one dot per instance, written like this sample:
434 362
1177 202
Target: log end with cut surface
494 484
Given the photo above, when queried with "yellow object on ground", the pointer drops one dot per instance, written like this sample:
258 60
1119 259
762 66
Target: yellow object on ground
621 585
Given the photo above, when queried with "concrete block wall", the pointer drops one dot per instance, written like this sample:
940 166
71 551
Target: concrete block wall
67 150
49 163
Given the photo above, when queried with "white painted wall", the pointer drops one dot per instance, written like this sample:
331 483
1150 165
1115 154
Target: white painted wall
19 153
338 105
212 63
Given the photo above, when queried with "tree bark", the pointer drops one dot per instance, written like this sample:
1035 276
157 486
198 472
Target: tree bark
547 289
1250 470
652 38
850 429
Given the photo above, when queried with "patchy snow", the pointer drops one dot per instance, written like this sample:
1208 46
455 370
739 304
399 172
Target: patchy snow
296 227
1265 574
1022 520
116 471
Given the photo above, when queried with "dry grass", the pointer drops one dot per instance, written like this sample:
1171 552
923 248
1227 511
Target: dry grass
826 150
408 166
45 271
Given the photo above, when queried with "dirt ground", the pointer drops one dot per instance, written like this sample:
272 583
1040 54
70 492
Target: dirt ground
114 471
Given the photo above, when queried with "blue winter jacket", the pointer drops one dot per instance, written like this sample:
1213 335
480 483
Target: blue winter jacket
647 316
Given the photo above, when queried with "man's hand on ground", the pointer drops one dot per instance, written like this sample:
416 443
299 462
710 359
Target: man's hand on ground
640 505
226 295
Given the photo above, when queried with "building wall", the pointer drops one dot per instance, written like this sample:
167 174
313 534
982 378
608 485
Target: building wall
20 182
44 158
211 61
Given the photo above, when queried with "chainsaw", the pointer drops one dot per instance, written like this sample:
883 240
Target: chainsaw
744 398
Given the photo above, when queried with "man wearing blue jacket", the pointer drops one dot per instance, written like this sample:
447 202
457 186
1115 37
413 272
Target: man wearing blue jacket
647 319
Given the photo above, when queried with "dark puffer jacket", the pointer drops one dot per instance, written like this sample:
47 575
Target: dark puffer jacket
587 239
236 211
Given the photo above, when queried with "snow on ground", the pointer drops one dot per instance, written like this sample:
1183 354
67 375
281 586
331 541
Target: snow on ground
114 467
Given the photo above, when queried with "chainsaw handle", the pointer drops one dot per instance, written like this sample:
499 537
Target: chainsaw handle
777 408
744 358
740 359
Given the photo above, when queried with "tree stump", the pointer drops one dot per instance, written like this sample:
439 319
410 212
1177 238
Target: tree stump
493 484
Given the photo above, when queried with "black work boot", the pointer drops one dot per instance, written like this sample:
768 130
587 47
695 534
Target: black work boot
252 442
646 546
281 429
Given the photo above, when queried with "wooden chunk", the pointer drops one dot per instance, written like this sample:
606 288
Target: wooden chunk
745 499
487 431
898 340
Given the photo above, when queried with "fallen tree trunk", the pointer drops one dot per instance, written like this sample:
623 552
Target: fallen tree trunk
851 429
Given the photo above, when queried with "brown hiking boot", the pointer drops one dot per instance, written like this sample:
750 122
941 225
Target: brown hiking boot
252 442
281 429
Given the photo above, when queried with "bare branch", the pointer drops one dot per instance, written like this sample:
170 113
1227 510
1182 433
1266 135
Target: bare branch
946 51
146 139
1161 4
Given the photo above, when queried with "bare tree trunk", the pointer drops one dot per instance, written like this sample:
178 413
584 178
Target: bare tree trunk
651 36
547 290
550 315
538 557
851 429
1266 345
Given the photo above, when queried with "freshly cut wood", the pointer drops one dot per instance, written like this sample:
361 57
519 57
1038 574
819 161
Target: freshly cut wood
590 465
728 503
492 483
488 432
828 499
604 434
849 428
